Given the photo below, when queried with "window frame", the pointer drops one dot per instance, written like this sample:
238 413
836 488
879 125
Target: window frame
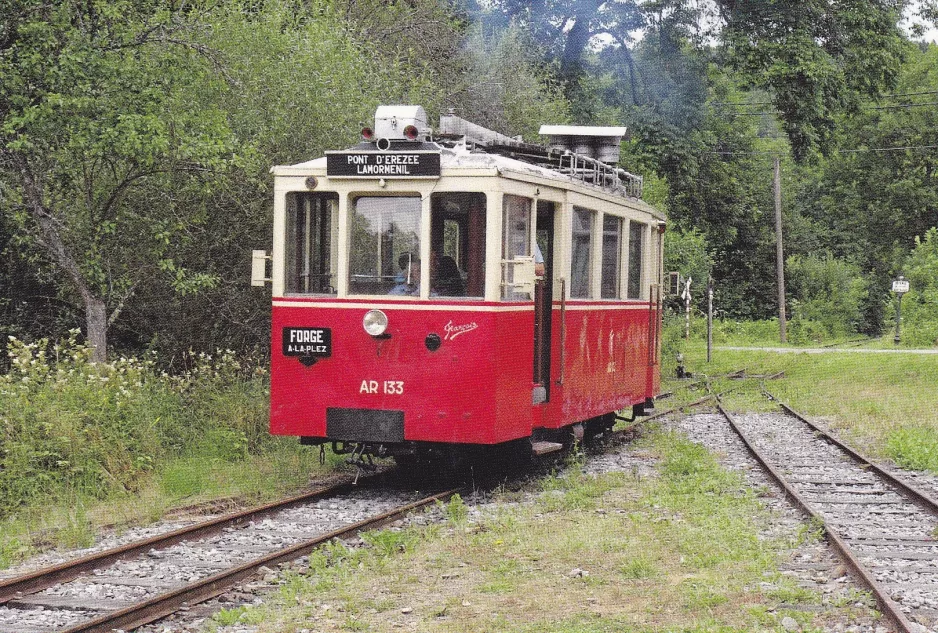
590 233
352 205
471 238
293 258
506 274
617 251
638 269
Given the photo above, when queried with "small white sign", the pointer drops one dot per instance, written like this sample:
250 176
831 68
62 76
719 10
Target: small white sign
900 285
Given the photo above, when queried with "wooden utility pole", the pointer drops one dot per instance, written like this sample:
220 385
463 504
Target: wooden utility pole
709 317
779 253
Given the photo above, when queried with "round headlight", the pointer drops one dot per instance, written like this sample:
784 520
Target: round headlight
375 322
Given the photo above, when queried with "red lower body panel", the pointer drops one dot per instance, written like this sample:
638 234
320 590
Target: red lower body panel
474 387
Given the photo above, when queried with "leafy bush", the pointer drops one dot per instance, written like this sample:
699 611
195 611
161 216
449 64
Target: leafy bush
827 296
920 304
69 426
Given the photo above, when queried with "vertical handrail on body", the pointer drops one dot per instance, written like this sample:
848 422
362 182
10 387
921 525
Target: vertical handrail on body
654 323
539 317
563 328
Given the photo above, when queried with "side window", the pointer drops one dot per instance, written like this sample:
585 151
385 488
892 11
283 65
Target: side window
310 247
384 245
636 259
457 244
581 278
612 257
516 241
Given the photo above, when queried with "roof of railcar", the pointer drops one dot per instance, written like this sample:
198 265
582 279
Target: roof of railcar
460 157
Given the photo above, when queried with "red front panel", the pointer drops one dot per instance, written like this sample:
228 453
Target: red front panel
475 388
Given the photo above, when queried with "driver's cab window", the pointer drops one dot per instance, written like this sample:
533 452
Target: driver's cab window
310 246
384 245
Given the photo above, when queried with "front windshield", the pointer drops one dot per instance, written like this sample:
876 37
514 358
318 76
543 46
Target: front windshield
384 234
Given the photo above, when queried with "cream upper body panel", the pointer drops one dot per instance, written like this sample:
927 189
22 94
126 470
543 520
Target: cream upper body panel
461 170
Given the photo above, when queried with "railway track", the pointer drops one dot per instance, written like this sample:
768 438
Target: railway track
884 529
144 581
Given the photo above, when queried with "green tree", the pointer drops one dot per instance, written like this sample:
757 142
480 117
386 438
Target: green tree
568 32
920 304
687 252
505 87
98 146
817 58
827 291
300 81
869 201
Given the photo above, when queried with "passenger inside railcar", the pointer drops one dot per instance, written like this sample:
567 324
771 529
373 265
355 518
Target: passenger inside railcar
448 282
409 283
457 232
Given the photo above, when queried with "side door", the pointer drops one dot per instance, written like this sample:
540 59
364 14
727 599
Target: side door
543 299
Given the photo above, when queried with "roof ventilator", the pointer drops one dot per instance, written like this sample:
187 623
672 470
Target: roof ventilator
587 153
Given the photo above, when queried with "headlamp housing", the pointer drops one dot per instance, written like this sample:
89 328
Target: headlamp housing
375 322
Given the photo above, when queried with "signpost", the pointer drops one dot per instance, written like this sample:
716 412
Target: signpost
900 286
685 295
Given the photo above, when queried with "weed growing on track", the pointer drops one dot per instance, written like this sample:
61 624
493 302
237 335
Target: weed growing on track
574 552
914 447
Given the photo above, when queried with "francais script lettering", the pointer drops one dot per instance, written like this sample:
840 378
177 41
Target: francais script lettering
452 331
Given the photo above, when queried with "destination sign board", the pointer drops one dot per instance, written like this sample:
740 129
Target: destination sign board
383 164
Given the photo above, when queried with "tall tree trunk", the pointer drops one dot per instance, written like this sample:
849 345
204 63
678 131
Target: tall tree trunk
96 320
51 240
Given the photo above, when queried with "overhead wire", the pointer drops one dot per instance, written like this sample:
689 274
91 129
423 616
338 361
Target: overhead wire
842 151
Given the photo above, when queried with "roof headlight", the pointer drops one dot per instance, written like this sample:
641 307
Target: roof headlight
375 322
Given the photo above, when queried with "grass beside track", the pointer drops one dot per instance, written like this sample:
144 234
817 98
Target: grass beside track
679 550
281 469
885 404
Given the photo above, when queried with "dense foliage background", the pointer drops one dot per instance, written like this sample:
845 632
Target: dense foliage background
136 140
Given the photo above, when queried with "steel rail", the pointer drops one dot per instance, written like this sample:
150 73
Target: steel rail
164 604
917 495
889 608
689 405
38 580
683 407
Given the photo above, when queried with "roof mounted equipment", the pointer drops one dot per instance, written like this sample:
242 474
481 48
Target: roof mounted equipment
599 143
400 123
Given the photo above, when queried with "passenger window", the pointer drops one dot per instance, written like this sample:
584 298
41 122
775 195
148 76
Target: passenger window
581 278
516 241
384 246
636 257
310 248
457 244
612 257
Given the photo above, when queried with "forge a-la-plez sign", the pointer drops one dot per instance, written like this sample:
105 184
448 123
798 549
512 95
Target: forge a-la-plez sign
383 164
307 341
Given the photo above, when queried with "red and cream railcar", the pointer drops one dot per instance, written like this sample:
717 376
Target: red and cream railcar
459 291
